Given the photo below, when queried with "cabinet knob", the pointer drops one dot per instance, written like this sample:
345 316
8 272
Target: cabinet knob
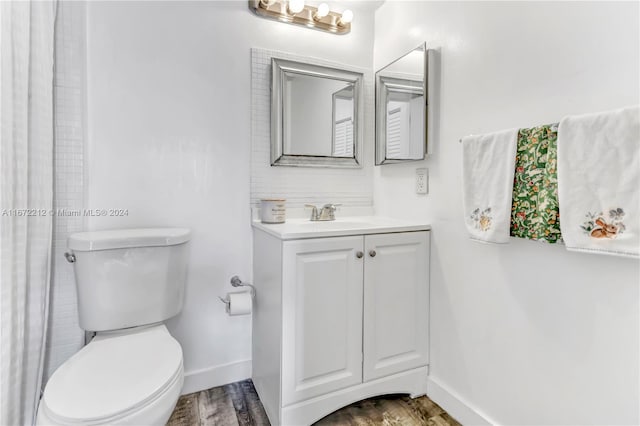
359 254
372 253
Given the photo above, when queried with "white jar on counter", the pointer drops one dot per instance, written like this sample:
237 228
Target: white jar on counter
272 210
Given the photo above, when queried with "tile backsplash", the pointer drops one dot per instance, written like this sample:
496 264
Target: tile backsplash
300 185
64 335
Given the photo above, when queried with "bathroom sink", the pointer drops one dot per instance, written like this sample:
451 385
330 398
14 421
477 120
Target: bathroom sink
332 224
299 228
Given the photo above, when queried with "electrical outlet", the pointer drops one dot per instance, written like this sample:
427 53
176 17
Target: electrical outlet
422 181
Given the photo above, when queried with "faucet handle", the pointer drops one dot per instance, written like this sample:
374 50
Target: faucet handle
314 211
332 206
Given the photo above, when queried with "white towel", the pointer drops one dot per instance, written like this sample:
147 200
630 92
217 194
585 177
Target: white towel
488 163
599 182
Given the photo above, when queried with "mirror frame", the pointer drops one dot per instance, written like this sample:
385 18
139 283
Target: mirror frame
382 85
279 69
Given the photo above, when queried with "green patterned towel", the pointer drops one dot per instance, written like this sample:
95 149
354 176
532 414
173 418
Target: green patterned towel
534 211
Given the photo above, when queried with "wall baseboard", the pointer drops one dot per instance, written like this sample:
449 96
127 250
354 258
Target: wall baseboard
217 375
453 404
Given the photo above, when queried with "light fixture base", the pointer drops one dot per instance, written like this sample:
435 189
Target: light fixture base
278 11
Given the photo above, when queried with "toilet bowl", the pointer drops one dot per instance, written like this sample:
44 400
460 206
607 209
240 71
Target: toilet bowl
131 377
129 281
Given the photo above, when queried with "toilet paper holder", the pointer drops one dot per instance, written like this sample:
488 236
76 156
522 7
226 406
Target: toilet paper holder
237 282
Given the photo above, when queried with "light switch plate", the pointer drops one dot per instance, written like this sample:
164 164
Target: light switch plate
422 181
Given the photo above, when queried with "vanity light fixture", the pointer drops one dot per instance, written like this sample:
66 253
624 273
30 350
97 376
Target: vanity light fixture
346 18
295 6
297 12
323 10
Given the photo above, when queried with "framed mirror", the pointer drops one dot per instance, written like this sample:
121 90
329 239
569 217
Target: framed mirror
401 109
316 115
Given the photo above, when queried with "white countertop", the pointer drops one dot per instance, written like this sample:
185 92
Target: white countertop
298 228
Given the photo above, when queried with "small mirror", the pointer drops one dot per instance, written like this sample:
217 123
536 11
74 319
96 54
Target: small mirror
401 109
314 115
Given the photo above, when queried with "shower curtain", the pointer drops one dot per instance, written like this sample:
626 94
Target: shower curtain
26 193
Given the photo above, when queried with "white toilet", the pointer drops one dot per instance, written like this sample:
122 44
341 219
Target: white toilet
128 281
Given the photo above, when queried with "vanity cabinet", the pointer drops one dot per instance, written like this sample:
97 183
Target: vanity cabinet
396 300
321 316
338 319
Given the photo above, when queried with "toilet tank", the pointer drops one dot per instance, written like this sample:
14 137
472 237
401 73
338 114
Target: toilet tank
129 277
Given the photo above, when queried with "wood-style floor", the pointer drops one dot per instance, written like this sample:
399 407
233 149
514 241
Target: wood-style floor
237 404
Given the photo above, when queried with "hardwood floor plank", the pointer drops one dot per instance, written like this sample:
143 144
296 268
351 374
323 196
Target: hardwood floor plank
387 411
450 420
351 415
256 409
216 408
426 407
186 411
438 421
398 411
249 410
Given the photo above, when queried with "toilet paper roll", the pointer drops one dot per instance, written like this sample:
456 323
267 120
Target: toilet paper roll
239 303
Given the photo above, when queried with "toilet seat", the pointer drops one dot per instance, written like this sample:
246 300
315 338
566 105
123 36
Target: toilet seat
114 376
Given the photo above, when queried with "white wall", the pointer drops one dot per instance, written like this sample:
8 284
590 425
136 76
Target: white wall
169 140
526 333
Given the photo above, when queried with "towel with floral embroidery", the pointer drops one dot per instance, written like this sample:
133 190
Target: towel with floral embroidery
487 178
534 211
598 175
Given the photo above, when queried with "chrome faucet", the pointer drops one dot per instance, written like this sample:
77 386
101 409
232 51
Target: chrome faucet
327 212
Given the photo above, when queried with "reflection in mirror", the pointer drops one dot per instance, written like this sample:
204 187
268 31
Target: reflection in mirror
342 120
401 109
314 115
313 107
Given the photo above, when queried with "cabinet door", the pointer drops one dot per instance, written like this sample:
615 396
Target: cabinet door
396 303
321 316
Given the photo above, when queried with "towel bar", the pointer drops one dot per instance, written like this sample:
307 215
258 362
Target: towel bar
552 124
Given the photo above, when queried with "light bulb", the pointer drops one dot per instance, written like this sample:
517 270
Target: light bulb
323 10
347 16
296 6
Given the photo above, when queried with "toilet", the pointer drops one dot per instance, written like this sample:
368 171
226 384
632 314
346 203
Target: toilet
129 281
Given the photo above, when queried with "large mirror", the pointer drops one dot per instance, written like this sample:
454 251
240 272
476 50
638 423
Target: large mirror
315 115
401 109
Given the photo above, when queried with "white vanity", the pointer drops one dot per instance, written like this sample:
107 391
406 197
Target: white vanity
341 314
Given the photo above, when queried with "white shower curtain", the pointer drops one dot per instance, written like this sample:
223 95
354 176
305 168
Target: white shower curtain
26 193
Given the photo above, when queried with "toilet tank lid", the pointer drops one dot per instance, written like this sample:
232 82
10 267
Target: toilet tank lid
127 238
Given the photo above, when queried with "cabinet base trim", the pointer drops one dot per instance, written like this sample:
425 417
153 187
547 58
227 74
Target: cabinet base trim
413 382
